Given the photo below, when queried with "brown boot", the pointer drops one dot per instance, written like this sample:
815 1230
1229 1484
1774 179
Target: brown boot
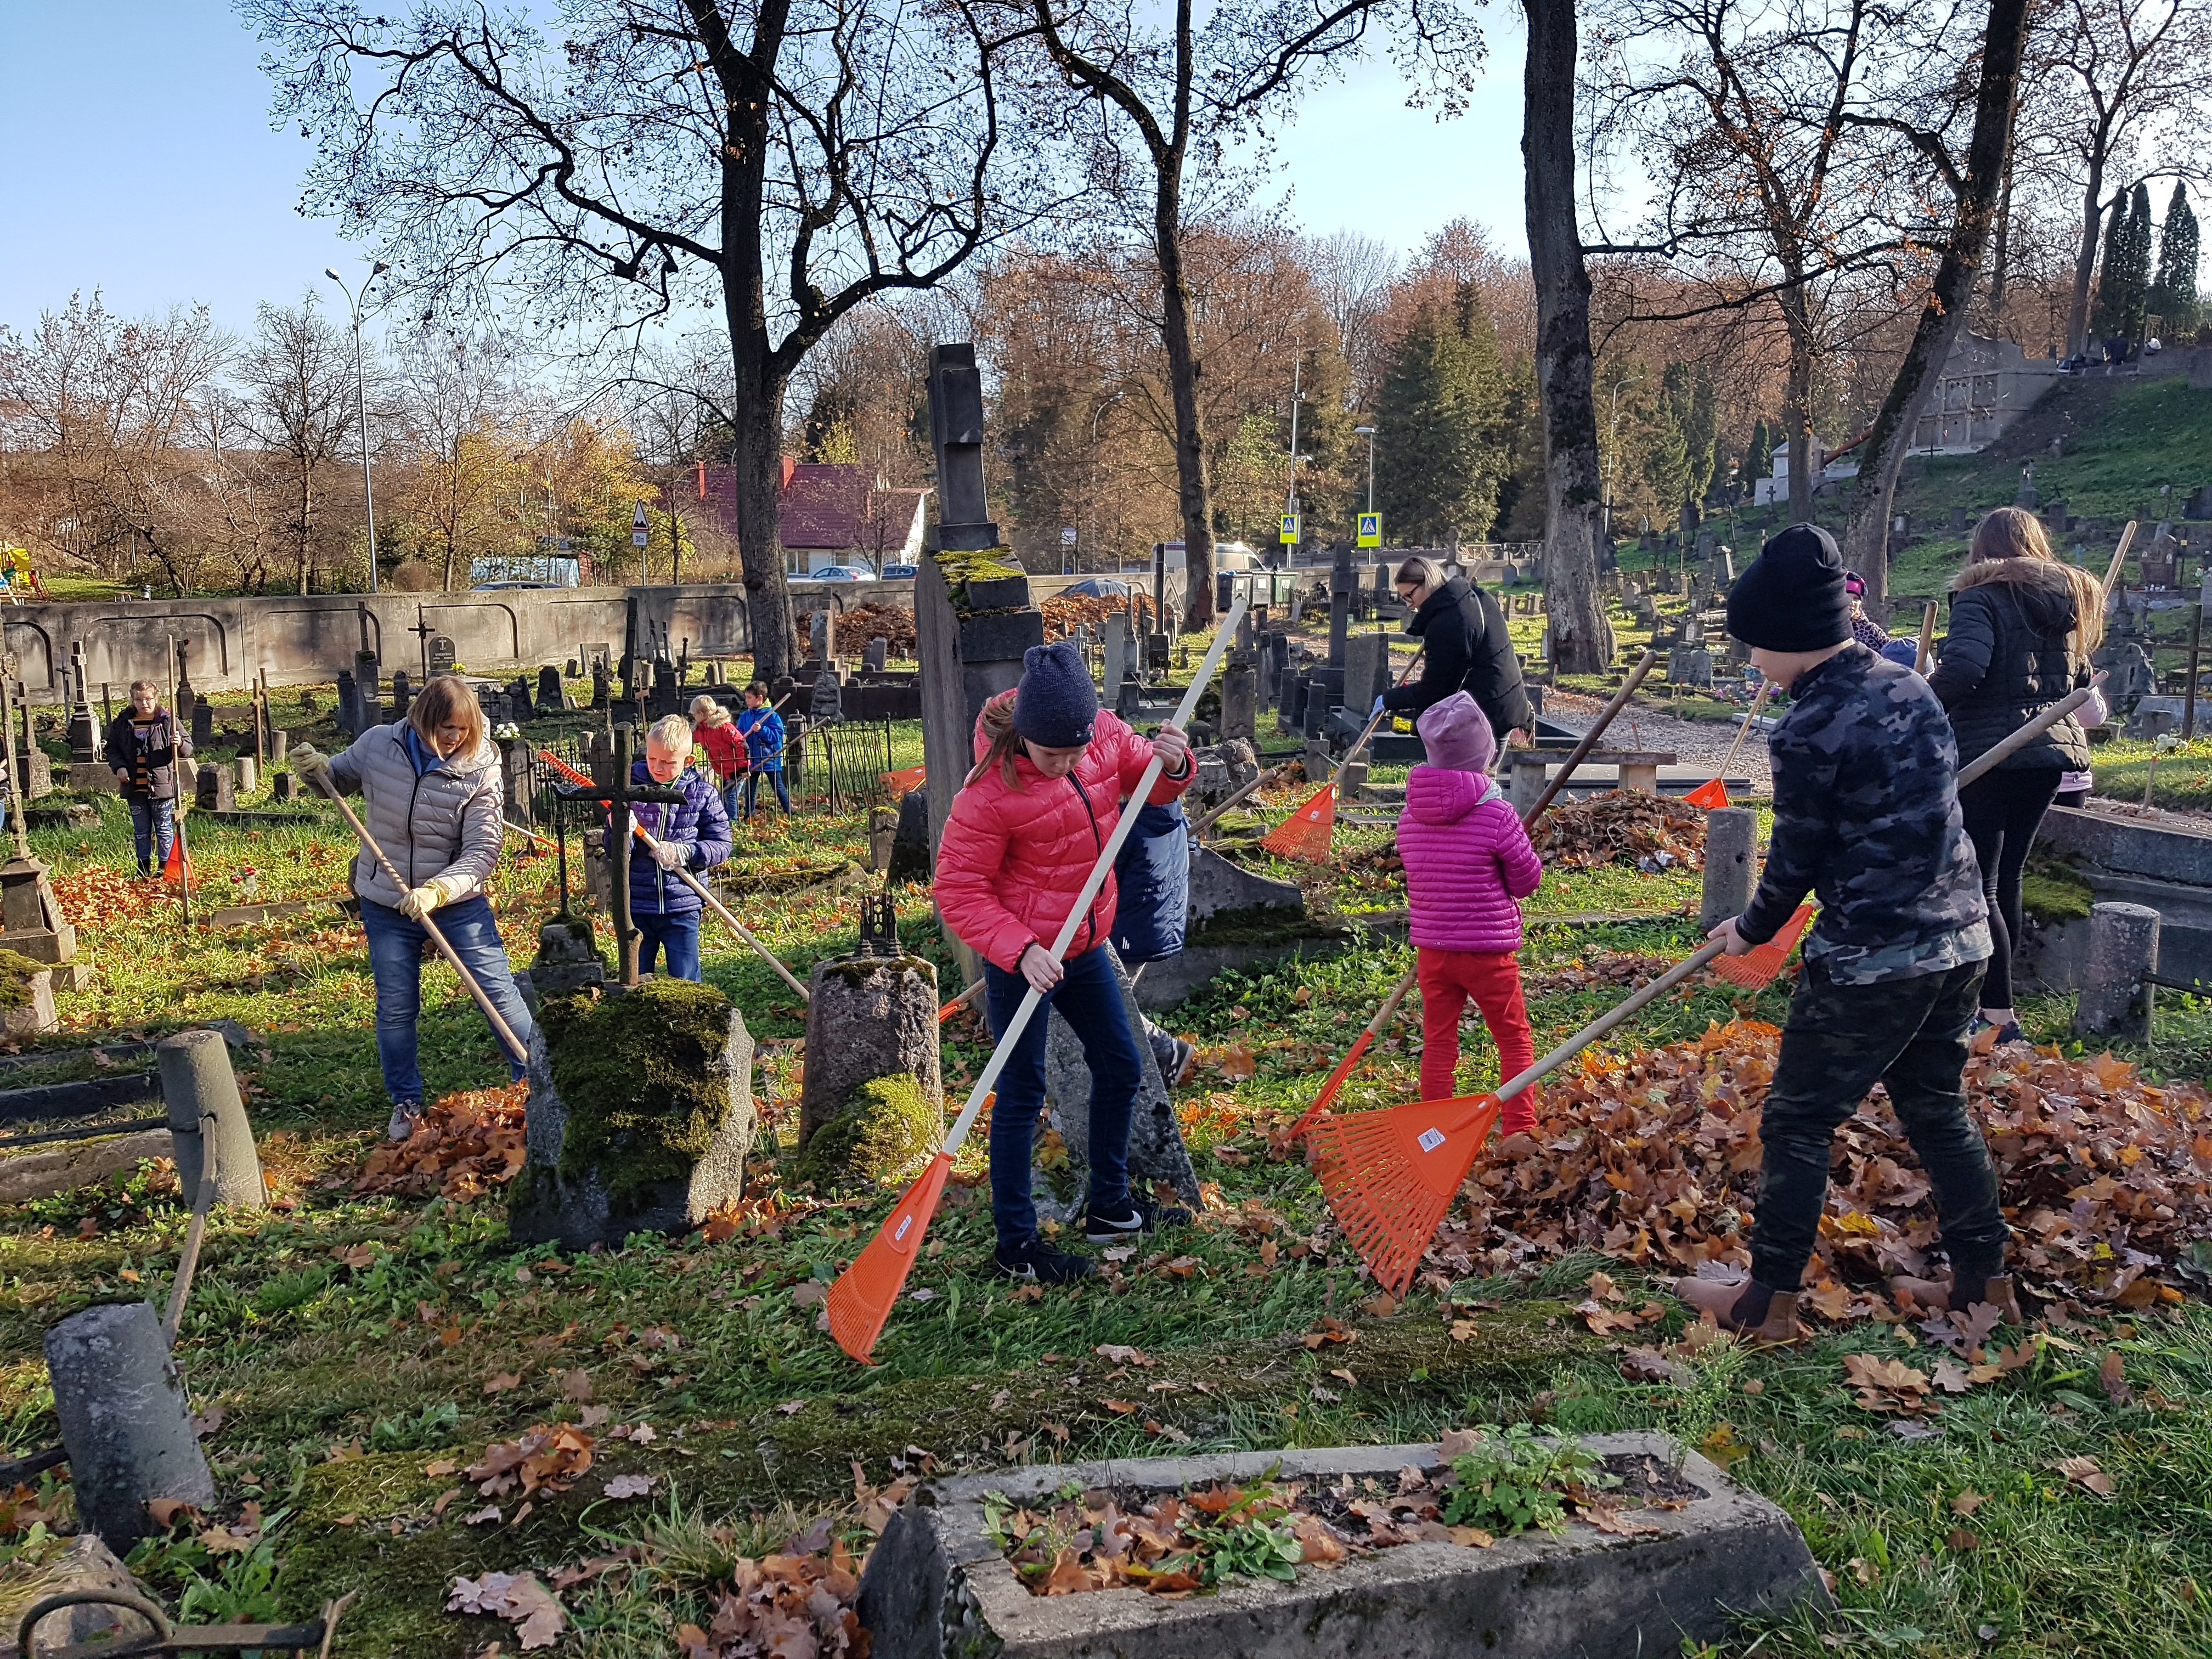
1934 1294
1718 1297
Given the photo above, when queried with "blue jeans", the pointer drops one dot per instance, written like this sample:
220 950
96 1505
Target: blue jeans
733 793
154 828
677 934
752 790
395 958
1090 999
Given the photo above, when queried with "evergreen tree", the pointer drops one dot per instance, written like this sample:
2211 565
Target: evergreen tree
1667 462
1440 415
2112 280
1757 458
1689 395
2173 294
2124 292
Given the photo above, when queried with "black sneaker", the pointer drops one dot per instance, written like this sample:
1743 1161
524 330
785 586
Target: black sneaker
1038 1262
1137 1217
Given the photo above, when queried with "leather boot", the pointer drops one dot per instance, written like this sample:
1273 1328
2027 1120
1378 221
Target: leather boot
1718 1297
1934 1294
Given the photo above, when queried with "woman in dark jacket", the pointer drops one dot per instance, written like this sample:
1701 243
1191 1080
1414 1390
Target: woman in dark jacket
1465 648
2022 629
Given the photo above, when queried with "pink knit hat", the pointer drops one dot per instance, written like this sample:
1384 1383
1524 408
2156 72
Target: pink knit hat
1457 735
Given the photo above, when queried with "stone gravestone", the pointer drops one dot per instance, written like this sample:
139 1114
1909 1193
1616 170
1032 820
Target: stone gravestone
519 699
568 961
2129 668
825 703
515 758
248 773
348 708
1157 1151
2025 495
640 1118
1115 651
551 699
442 654
876 656
602 686
872 1104
1240 700
1689 665
1958 521
202 725
403 694
821 636
911 851
125 1419
284 787
217 792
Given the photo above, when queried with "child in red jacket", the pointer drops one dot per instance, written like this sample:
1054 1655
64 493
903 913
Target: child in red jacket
1025 829
1468 863
717 734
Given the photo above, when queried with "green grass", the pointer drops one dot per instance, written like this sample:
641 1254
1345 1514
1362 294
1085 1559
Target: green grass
306 1342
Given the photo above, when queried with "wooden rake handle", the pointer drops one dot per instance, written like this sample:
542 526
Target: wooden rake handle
2119 557
491 1013
2013 742
1589 737
1758 702
1612 1018
1926 651
1244 792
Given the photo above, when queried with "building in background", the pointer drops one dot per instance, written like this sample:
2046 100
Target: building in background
833 512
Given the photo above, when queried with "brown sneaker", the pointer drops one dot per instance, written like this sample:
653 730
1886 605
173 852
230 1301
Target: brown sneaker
1934 1294
1718 1297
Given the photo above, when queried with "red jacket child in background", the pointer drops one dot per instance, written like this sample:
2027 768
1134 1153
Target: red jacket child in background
1468 863
1025 830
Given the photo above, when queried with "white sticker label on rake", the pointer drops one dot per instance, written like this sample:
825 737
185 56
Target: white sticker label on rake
1430 1139
905 1222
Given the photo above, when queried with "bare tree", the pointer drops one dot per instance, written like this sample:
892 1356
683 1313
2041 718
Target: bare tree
106 407
1975 182
1582 635
298 377
1182 91
460 412
1353 274
781 162
2117 76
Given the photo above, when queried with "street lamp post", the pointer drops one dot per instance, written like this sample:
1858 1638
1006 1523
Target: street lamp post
361 401
1101 410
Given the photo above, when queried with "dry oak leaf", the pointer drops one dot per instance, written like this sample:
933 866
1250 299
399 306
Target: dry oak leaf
1887 1385
521 1599
577 1385
1608 1518
1968 1501
2085 1472
501 1381
628 1485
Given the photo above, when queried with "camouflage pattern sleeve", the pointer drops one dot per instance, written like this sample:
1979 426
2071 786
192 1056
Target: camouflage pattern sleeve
1802 753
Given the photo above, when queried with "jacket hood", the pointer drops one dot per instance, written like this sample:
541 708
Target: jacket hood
2042 587
1442 794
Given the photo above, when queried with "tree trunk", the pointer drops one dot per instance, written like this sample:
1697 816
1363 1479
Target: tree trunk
307 528
1582 636
1191 490
1866 536
2000 253
2084 260
1797 396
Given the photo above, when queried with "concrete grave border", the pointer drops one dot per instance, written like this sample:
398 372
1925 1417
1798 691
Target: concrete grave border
937 1588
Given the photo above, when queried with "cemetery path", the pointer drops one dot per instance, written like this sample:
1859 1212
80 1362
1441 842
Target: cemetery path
1696 743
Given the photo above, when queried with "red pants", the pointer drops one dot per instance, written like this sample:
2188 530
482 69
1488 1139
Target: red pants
1448 978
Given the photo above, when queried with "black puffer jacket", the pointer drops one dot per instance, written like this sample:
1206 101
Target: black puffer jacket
2009 658
1466 648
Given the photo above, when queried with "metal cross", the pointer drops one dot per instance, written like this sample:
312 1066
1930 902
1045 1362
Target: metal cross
617 798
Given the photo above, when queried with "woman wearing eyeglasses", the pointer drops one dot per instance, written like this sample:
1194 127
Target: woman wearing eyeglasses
1465 648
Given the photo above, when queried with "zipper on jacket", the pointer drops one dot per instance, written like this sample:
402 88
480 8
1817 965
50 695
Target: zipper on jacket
1098 840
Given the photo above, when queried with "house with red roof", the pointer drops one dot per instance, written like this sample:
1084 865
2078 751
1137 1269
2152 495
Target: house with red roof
832 512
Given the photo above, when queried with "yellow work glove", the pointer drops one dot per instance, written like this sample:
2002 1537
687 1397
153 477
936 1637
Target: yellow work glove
313 767
419 901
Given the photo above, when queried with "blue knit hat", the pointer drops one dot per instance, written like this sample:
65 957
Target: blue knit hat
1057 702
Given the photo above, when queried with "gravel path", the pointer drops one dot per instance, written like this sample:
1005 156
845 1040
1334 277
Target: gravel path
1695 743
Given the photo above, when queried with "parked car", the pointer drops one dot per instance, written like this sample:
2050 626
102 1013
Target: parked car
1099 587
842 573
898 572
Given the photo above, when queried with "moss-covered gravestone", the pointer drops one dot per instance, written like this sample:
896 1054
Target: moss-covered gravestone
872 1107
641 1114
26 997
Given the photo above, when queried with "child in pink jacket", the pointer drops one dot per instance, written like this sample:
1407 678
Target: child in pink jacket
1468 863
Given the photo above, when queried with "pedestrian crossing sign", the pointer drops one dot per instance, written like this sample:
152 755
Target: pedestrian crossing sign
1370 530
1290 530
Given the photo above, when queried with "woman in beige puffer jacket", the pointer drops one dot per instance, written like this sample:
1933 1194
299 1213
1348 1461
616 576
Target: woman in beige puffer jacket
432 796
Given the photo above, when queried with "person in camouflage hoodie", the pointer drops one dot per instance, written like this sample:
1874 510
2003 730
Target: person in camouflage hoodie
1866 816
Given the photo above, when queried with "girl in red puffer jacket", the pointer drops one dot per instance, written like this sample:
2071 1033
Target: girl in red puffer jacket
1026 828
1468 863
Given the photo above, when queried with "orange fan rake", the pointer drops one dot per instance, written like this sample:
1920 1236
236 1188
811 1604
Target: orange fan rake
1307 832
861 1300
1390 1176
905 780
1713 793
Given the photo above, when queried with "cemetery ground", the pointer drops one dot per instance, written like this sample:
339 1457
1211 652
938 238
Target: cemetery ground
354 1355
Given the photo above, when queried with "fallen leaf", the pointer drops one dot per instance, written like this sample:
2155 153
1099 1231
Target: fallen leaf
2110 1374
809 1293
628 1485
1967 1502
1608 1518
2085 1472
577 1385
1960 1538
440 1469
1120 1407
501 1381
165 1511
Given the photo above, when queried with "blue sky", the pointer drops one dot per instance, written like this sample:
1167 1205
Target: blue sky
139 160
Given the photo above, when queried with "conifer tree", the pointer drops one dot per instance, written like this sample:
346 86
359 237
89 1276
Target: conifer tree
1440 414
2173 294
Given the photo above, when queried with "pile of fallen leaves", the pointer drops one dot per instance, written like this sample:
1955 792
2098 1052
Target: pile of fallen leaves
1062 611
796 1605
467 1143
1594 971
100 895
893 623
1622 826
1655 1159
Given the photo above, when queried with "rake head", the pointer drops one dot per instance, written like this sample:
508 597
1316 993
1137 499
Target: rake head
1390 1176
177 867
865 1292
1755 969
905 780
1305 834
1711 795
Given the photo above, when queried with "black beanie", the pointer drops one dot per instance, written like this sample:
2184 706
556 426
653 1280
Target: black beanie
1792 598
1057 702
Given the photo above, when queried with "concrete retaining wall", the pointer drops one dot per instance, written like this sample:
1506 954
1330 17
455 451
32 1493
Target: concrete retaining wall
305 641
